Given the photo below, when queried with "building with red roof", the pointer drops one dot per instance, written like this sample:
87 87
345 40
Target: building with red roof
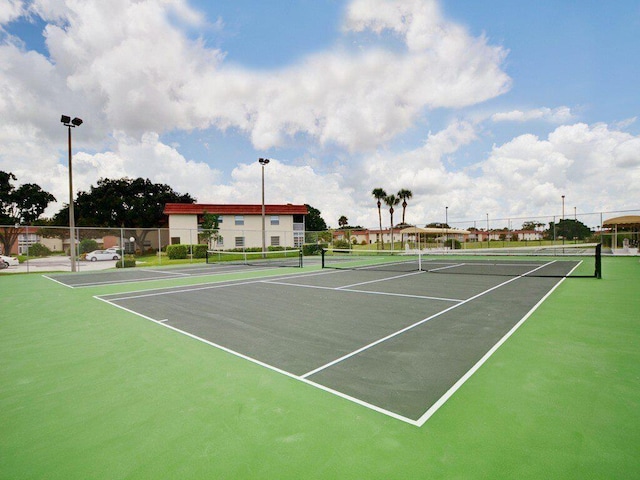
240 226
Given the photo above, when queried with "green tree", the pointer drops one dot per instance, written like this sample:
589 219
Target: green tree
132 203
19 206
313 221
210 227
391 201
379 194
404 195
569 229
343 221
531 225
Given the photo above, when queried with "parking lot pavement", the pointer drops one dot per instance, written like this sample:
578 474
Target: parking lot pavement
57 264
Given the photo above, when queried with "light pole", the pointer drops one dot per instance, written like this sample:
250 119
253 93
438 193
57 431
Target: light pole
564 226
446 226
263 162
488 234
67 122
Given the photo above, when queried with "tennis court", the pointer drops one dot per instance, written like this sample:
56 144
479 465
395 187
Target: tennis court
397 342
92 390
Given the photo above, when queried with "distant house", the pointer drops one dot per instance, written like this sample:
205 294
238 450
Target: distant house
30 235
240 226
367 236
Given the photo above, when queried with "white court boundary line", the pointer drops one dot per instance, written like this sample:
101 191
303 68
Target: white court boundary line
454 388
304 378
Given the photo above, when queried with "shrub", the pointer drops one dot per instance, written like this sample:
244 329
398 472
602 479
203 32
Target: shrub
38 250
313 248
199 250
453 244
129 262
88 245
341 244
177 252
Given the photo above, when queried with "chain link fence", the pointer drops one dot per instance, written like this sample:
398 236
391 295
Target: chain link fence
617 237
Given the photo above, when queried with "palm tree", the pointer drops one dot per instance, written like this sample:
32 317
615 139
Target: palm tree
391 201
404 195
344 222
379 194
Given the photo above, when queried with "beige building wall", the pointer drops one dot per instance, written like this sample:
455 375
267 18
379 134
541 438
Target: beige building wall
183 229
236 231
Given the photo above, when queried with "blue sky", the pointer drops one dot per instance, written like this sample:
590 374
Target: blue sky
495 107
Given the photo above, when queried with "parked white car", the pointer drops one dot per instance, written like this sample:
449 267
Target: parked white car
9 261
115 249
102 255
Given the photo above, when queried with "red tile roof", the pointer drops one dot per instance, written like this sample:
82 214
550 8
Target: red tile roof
227 209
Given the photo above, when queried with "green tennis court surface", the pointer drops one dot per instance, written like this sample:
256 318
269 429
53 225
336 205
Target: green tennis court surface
323 374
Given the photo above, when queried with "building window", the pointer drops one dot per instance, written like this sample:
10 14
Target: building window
239 219
275 241
298 239
239 242
25 241
275 220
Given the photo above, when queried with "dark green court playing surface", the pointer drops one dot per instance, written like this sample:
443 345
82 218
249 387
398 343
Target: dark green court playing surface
393 342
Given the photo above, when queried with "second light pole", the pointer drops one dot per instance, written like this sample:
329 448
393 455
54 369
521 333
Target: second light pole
446 225
67 122
263 162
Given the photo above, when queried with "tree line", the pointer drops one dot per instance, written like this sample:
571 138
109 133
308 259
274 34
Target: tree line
137 204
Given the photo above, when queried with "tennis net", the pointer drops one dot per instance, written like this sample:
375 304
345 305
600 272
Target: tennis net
581 260
271 258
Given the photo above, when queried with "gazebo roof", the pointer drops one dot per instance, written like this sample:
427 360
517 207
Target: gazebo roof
434 230
624 221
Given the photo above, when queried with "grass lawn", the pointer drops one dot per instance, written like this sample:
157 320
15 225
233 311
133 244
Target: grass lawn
89 391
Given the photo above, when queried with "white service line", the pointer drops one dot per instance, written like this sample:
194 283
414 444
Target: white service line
382 279
367 292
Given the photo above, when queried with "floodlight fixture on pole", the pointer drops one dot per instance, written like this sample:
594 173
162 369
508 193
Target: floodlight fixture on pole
69 123
263 162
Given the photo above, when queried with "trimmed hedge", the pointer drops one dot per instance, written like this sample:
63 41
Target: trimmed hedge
199 250
182 251
177 252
